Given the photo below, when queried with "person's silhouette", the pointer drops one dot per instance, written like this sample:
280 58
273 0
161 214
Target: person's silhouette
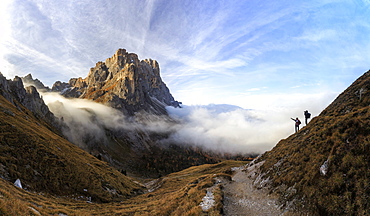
307 115
297 123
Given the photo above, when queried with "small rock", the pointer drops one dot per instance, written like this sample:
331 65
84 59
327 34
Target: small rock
17 183
324 168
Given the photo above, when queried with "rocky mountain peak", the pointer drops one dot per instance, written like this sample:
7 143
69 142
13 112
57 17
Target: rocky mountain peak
28 80
14 91
125 83
120 59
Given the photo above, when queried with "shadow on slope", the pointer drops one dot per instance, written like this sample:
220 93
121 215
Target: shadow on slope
47 163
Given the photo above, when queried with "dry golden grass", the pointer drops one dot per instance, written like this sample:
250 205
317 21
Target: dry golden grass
341 136
44 161
179 194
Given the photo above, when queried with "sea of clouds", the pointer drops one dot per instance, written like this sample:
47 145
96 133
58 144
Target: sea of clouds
220 128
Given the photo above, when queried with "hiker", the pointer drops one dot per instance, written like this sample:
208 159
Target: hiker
307 115
297 123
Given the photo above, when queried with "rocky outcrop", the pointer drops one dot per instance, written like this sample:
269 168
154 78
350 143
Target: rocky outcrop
5 88
60 86
29 81
123 82
14 91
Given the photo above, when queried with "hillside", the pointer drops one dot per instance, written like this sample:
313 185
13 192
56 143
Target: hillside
325 167
47 163
179 193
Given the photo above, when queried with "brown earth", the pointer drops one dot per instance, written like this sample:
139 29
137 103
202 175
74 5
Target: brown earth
242 198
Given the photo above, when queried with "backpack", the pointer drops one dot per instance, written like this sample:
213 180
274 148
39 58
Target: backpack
308 115
299 122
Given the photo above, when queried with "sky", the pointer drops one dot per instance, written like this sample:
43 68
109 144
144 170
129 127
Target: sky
269 59
241 68
265 55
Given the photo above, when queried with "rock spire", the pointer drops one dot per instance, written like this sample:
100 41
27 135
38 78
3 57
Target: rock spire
123 82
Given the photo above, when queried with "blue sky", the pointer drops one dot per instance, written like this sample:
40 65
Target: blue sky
253 54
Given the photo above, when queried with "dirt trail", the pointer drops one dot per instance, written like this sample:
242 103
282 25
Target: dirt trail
241 198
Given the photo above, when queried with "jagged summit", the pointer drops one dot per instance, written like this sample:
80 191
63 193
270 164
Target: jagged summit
324 168
123 82
28 80
13 91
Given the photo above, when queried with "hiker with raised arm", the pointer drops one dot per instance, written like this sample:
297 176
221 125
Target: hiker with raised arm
307 115
297 123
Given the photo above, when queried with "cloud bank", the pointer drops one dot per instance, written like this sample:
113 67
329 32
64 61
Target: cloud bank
86 120
217 128
228 129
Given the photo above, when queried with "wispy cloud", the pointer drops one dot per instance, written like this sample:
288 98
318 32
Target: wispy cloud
318 35
220 52
256 89
197 43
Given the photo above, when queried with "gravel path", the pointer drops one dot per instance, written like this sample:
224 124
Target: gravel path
241 198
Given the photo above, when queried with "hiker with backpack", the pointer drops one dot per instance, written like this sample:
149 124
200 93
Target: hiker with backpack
307 115
297 123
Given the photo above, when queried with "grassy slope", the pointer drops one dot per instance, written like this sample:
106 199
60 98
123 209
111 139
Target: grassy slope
47 163
341 136
177 194
59 177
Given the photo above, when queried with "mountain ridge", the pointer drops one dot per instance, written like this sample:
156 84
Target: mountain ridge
15 92
46 162
324 168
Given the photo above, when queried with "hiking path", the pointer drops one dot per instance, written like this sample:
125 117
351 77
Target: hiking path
241 198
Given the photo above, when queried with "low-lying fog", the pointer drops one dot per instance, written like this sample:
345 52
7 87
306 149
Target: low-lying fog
220 128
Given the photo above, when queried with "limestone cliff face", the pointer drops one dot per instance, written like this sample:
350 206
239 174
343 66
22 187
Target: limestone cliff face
14 91
125 83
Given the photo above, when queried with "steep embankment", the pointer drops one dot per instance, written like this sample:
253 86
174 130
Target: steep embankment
325 167
47 163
